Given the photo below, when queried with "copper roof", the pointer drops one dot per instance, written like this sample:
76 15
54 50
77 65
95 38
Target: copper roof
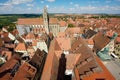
30 21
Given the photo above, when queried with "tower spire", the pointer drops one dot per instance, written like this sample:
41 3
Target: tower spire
46 20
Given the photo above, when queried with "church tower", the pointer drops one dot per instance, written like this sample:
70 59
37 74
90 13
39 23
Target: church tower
46 20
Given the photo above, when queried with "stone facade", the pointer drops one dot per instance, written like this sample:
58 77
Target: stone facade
39 25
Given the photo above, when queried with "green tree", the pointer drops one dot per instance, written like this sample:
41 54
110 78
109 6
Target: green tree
70 25
11 27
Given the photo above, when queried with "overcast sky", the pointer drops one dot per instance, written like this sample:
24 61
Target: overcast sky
59 6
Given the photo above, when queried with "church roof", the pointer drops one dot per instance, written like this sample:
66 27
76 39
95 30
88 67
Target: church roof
30 21
53 20
62 23
35 21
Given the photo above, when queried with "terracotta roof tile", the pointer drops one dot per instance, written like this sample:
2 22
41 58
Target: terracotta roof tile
110 33
72 60
7 45
30 36
62 23
6 39
37 58
64 43
53 20
51 65
7 69
7 54
61 35
20 39
90 41
34 42
15 32
1 42
25 72
21 47
30 21
88 34
4 34
73 30
104 74
100 41
86 60
57 46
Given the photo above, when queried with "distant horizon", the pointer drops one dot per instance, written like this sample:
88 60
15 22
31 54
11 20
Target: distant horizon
60 6
62 13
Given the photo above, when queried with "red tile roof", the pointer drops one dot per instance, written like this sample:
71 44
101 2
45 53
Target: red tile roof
64 43
25 72
104 74
118 39
86 60
34 42
30 36
15 32
61 35
72 59
1 42
110 33
21 47
53 20
100 41
7 54
5 70
30 21
50 70
90 41
62 23
74 30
